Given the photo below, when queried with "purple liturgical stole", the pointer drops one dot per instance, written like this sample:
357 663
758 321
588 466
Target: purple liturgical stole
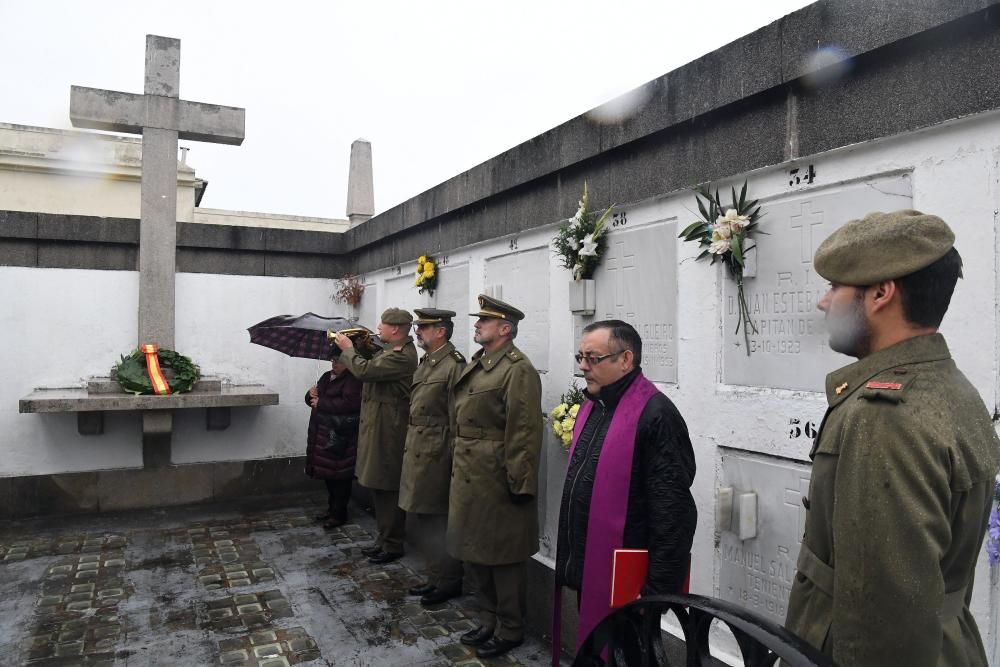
608 507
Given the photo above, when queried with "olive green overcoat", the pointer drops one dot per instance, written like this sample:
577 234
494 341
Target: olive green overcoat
498 440
903 474
426 477
385 406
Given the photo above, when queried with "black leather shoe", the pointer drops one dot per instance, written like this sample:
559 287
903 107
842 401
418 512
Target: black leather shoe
323 517
437 596
422 589
496 647
383 557
371 551
477 637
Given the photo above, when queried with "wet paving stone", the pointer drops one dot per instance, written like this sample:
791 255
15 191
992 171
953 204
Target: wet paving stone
289 646
247 611
67 544
235 575
254 588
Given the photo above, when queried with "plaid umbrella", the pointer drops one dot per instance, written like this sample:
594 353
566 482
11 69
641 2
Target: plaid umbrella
305 336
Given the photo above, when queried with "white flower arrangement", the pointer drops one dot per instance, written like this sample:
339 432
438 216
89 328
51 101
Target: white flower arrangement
580 242
725 234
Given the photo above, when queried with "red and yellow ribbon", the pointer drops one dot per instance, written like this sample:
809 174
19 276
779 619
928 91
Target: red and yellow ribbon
160 386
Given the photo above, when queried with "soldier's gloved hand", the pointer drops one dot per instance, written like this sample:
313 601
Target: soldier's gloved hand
520 498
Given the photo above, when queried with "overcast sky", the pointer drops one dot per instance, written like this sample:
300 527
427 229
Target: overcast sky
436 86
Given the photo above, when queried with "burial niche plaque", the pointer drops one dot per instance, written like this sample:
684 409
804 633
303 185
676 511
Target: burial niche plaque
453 294
523 282
757 573
790 350
637 283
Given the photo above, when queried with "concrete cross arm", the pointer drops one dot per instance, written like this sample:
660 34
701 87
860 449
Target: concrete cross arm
116 111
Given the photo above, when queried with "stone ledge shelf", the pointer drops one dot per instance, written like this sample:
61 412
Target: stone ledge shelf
102 395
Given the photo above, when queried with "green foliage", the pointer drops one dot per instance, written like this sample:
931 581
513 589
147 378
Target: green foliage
132 373
703 231
573 396
724 233
572 243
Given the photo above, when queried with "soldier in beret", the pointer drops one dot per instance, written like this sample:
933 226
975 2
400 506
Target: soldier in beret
904 462
426 478
493 507
385 406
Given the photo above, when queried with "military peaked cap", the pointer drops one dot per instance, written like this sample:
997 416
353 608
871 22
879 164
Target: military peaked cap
883 246
495 308
397 316
432 315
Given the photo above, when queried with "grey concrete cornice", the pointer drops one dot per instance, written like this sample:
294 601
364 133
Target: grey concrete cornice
768 60
48 240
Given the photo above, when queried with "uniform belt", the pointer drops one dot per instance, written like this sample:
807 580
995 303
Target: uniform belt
953 604
466 431
818 572
428 420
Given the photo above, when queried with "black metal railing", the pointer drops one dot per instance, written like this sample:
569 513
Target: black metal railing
631 636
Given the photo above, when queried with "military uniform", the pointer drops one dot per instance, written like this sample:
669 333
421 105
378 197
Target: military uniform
385 405
426 476
493 508
902 481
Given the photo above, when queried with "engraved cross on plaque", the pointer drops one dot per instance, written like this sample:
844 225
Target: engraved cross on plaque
161 118
620 264
805 221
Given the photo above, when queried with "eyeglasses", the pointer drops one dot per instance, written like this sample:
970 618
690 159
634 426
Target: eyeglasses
592 360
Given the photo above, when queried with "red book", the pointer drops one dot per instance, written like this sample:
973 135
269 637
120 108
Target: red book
628 575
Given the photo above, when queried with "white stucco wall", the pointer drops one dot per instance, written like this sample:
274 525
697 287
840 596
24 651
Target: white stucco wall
62 326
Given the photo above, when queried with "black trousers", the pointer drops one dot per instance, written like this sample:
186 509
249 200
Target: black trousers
338 495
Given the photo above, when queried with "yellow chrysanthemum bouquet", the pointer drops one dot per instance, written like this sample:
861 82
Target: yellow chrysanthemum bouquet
564 415
426 274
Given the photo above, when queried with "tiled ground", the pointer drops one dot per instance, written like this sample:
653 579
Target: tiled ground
219 585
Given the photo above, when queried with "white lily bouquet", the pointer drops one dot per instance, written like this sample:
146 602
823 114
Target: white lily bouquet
580 243
726 233
564 415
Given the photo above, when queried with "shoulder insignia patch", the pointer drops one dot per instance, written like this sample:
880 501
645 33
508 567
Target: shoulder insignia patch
884 385
892 389
458 356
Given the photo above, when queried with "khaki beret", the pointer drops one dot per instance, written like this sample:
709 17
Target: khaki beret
432 315
883 246
495 308
397 316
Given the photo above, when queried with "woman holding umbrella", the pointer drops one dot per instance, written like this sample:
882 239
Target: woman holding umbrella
332 443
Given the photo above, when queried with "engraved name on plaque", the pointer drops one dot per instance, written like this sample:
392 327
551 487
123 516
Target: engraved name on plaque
757 573
790 350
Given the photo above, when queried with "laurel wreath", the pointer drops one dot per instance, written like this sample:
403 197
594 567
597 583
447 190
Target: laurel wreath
132 374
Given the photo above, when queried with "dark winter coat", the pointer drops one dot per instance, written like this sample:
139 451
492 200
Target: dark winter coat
338 397
661 515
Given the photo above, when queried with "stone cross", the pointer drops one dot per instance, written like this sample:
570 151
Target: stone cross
619 265
161 118
804 222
